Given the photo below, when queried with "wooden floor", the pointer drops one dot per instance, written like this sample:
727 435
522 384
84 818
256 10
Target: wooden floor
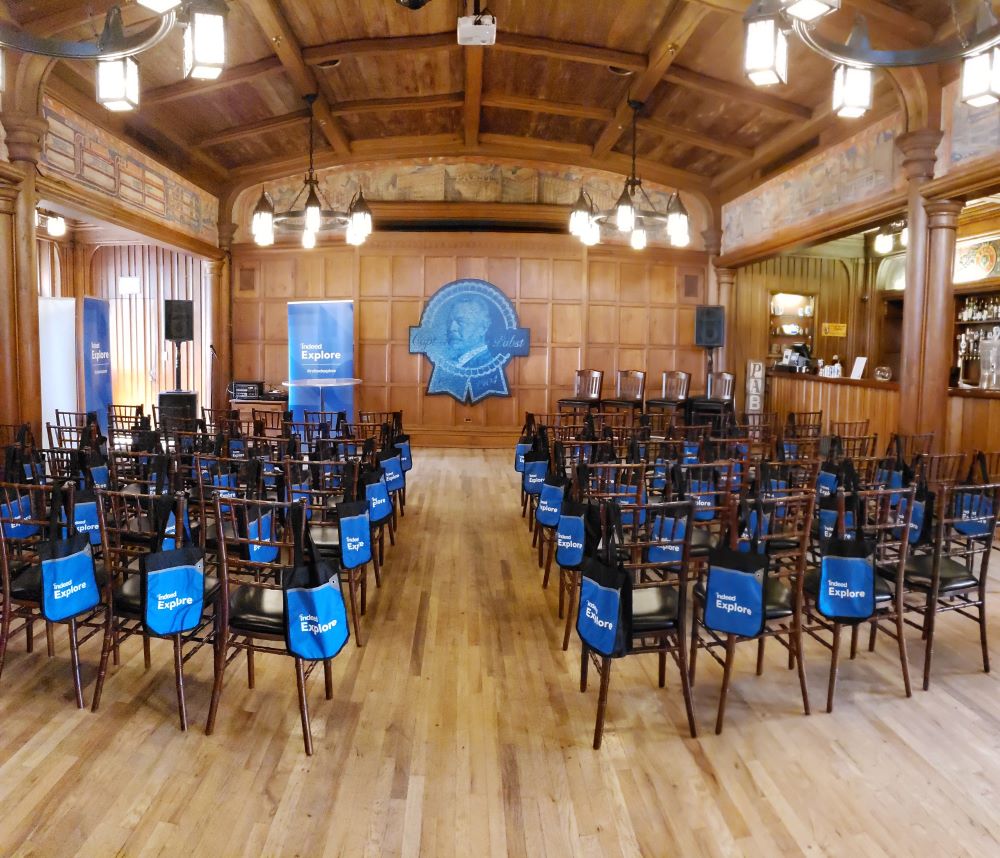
459 730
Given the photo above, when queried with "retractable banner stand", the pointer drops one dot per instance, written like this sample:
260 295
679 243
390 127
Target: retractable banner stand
97 359
321 350
57 355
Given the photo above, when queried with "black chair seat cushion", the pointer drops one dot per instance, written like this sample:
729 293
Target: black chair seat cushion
953 575
883 590
665 403
778 598
654 609
26 586
256 610
128 596
622 403
580 403
326 536
702 542
211 533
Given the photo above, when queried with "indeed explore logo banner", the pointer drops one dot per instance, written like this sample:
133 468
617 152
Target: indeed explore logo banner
96 347
320 350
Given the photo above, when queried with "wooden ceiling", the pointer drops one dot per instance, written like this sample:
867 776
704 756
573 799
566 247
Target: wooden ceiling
393 82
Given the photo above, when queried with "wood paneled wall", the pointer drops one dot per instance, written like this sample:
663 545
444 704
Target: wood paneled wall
143 362
973 423
607 308
838 400
837 285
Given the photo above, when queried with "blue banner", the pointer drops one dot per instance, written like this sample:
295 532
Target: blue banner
320 349
97 395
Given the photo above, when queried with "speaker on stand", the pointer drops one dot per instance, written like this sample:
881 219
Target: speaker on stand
178 327
710 334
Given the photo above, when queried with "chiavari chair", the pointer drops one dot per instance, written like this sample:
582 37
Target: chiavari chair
849 428
803 424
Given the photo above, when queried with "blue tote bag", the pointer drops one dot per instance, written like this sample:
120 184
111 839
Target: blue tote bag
172 582
69 581
604 618
577 532
355 533
734 592
17 509
376 494
554 491
973 510
392 464
847 574
666 535
316 626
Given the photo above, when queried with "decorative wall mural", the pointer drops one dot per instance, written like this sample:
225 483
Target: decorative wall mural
78 150
856 170
977 260
469 332
477 180
970 133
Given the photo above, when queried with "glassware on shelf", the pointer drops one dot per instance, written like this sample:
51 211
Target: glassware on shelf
883 373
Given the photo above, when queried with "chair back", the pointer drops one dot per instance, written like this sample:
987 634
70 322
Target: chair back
676 385
849 428
24 519
911 446
630 385
721 385
272 421
992 464
68 437
804 424
588 384
938 469
966 525
138 472
859 446
71 418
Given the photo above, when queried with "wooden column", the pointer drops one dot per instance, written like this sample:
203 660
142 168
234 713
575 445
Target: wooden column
942 221
8 307
919 154
25 136
220 274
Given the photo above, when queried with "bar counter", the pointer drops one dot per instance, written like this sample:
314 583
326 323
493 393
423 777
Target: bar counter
840 399
973 419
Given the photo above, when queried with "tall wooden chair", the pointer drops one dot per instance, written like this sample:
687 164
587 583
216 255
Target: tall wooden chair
659 601
587 387
674 392
716 406
630 390
849 428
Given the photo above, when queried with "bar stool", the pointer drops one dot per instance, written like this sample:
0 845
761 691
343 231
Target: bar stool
630 389
716 407
674 396
586 391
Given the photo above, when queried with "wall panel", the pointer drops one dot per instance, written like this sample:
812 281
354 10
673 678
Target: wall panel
609 308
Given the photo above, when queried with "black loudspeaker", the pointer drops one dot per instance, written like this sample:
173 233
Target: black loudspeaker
178 404
178 321
710 326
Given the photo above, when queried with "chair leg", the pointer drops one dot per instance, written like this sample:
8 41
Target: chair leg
695 642
550 551
855 630
760 656
29 636
328 677
982 637
572 608
222 645
106 646
795 639
251 679
50 639
179 681
904 661
831 687
4 632
872 635
115 646
381 546
584 665
300 681
146 660
682 664
377 566
74 658
356 620
662 677
726 675
602 701
929 619
363 577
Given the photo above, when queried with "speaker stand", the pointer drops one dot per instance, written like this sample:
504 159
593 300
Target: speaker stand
710 363
177 364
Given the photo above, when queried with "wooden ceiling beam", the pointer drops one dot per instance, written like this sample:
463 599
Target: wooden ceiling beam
230 77
571 51
511 42
275 27
409 102
239 132
671 36
541 105
734 92
473 108
693 138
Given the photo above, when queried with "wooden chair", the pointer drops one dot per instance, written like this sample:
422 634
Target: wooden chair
225 477
952 576
65 437
939 469
124 416
785 543
912 446
272 421
716 406
252 611
587 387
127 534
849 428
71 418
659 602
674 392
759 427
219 419
803 424
859 446
992 464
886 529
24 523
630 389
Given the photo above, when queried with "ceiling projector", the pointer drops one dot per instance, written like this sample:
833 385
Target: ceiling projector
477 29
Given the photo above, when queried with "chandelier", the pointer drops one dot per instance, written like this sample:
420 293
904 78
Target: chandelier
316 215
117 82
765 61
634 213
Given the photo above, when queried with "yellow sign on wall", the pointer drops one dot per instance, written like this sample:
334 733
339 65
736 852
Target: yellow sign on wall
834 329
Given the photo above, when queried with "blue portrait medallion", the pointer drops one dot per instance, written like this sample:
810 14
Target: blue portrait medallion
469 332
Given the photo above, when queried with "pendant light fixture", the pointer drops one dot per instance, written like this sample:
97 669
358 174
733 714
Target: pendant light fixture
765 62
316 216
118 84
205 39
634 214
